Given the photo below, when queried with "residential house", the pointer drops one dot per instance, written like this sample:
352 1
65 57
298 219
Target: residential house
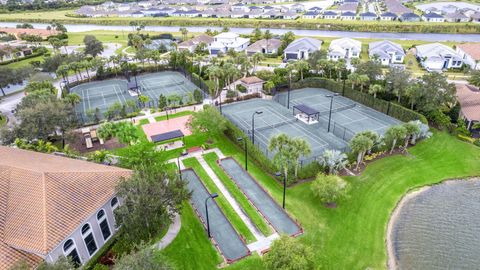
368 16
388 16
469 98
253 84
311 15
53 206
262 46
409 17
8 53
433 17
470 53
438 57
344 48
396 7
350 7
330 15
226 41
297 8
239 7
348 16
475 17
301 48
316 9
19 32
290 15
270 14
191 45
456 17
387 52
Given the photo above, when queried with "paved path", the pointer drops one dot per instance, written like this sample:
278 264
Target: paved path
172 232
149 116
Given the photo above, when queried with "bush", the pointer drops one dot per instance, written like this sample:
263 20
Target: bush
240 88
289 253
329 188
231 94
477 142
466 138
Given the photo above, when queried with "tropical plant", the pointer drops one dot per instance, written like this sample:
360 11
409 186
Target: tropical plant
207 120
300 148
360 144
282 147
144 258
394 134
334 160
374 89
411 129
288 253
329 188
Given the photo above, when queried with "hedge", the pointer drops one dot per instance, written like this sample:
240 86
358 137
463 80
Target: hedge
33 55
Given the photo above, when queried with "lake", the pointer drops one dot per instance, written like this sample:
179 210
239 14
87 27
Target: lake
437 227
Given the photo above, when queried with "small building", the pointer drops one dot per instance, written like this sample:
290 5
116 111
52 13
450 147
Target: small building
438 57
52 206
301 48
290 15
387 52
263 46
253 84
469 98
475 17
311 15
433 17
368 16
344 48
316 9
409 17
191 44
470 53
161 45
330 15
239 7
388 16
348 16
226 41
9 53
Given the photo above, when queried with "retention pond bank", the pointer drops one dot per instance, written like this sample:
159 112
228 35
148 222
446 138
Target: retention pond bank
437 227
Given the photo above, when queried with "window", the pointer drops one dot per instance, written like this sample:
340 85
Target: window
70 250
114 203
103 223
89 239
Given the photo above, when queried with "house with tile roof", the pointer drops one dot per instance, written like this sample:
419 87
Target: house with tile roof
252 84
409 17
52 206
388 16
387 52
344 48
330 15
469 98
263 46
191 44
433 17
301 48
438 57
470 53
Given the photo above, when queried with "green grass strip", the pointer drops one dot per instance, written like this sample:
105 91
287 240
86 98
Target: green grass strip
249 209
171 116
226 207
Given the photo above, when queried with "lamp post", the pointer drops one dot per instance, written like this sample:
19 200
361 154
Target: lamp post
166 112
245 147
253 125
330 112
212 196
179 170
278 174
220 102
289 88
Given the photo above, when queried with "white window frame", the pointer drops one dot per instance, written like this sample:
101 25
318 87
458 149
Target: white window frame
100 220
70 249
84 235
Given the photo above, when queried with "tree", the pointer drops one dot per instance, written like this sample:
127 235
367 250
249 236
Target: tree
145 258
10 75
301 66
328 188
288 253
184 32
281 144
474 78
287 38
73 98
299 148
360 144
256 35
197 96
334 160
61 263
397 80
207 120
38 86
374 89
126 132
373 69
411 129
151 198
215 73
143 99
354 79
268 86
435 93
257 58
395 134
363 80
267 36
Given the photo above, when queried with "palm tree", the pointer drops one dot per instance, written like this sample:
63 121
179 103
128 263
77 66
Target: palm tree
143 99
230 72
267 36
334 160
374 89
215 73
155 56
394 134
281 145
256 58
360 144
321 66
301 66
354 79
300 147
268 86
184 32
411 129
73 98
75 66
363 79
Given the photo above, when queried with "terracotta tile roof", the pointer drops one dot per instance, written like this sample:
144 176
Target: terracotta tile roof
472 49
469 98
251 80
273 44
44 198
20 31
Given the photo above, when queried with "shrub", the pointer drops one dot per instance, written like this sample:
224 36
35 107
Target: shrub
240 88
289 253
231 94
477 142
329 188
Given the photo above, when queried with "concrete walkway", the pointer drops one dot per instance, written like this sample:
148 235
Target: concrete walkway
172 232
149 116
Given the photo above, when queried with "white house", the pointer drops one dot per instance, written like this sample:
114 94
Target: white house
240 7
433 17
387 52
438 57
470 54
388 16
344 48
226 41
330 15
253 84
53 206
310 15
301 48
348 16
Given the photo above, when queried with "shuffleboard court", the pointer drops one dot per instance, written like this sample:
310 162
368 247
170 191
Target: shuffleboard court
279 219
227 239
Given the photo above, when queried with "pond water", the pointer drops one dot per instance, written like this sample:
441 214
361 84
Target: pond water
438 228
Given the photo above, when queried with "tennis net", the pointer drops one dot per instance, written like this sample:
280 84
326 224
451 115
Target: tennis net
339 109
105 95
276 125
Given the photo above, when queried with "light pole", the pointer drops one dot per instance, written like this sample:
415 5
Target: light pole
212 196
278 174
220 102
179 170
253 125
330 113
245 147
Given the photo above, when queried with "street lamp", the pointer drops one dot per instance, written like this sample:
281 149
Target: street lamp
245 147
253 125
330 113
278 174
212 196
179 170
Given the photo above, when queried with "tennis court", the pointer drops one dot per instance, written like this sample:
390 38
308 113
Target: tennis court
348 118
165 83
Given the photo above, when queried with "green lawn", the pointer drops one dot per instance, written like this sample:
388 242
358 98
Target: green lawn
226 207
352 236
170 116
249 209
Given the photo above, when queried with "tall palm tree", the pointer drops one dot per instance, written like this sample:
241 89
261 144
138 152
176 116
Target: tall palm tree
215 73
73 98
267 36
256 58
281 145
300 147
184 32
360 144
374 89
363 80
411 129
394 134
301 66
354 79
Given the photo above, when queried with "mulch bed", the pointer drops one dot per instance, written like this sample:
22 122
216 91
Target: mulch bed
361 168
78 144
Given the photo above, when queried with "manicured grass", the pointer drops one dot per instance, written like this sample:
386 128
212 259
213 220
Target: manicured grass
252 213
352 236
191 249
226 207
143 122
25 62
175 115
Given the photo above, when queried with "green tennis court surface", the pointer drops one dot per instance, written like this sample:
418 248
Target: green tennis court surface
260 198
221 230
348 118
103 94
